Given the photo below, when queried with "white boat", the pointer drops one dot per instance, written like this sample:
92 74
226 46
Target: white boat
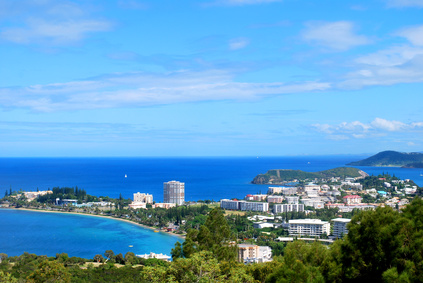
126 176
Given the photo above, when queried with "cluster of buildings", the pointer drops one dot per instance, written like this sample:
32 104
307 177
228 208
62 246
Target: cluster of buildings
173 195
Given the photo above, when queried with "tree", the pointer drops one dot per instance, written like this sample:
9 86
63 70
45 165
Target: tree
98 258
50 272
110 255
214 236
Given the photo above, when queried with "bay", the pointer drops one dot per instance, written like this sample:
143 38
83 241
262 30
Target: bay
205 178
45 233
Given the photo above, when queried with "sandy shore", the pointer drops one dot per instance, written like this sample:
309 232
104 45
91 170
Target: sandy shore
102 216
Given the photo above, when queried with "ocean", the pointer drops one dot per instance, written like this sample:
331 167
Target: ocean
205 178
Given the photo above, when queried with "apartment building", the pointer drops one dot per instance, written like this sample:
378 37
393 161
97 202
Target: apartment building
174 192
308 227
282 208
340 227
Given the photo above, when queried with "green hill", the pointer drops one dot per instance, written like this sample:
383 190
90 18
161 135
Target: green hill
414 165
276 176
390 158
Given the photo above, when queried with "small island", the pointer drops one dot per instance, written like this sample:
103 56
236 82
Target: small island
280 176
392 158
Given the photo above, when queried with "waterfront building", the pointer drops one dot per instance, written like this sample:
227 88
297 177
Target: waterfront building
282 208
340 227
275 199
141 200
163 205
33 195
136 205
308 227
174 192
141 197
153 255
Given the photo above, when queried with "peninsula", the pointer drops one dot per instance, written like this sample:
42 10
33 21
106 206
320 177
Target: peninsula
279 176
392 158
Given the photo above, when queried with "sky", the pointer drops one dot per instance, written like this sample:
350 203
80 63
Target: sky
99 78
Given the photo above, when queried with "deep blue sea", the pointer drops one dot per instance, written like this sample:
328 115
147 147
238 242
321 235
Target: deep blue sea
205 178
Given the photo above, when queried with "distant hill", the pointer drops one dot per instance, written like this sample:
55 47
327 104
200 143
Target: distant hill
276 176
391 158
414 165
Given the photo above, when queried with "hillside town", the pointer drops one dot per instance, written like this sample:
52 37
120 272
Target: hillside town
284 214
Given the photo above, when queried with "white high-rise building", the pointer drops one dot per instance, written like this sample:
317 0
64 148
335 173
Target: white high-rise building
174 192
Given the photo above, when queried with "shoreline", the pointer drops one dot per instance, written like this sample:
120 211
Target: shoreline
95 215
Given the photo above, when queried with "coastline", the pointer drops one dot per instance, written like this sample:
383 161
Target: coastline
95 215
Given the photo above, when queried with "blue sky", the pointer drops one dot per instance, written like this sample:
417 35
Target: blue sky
210 78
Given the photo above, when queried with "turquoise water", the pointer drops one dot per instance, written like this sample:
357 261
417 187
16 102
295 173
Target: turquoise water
84 236
77 235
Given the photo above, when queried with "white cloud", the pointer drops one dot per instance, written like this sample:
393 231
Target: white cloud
58 32
392 126
337 36
413 34
143 89
358 129
238 43
405 3
49 22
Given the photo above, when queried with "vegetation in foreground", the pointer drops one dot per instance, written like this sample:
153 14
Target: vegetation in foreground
382 245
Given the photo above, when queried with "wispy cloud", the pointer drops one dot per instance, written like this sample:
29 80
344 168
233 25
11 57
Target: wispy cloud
239 2
49 22
132 4
357 129
337 36
401 63
413 34
404 3
143 89
238 43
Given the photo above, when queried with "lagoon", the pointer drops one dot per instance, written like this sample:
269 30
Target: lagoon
45 233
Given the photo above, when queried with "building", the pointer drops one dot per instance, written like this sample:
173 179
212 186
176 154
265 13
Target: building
259 197
282 190
163 205
229 204
244 205
353 199
282 208
153 255
253 253
308 227
275 199
340 227
141 200
261 225
292 200
141 197
174 192
253 206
